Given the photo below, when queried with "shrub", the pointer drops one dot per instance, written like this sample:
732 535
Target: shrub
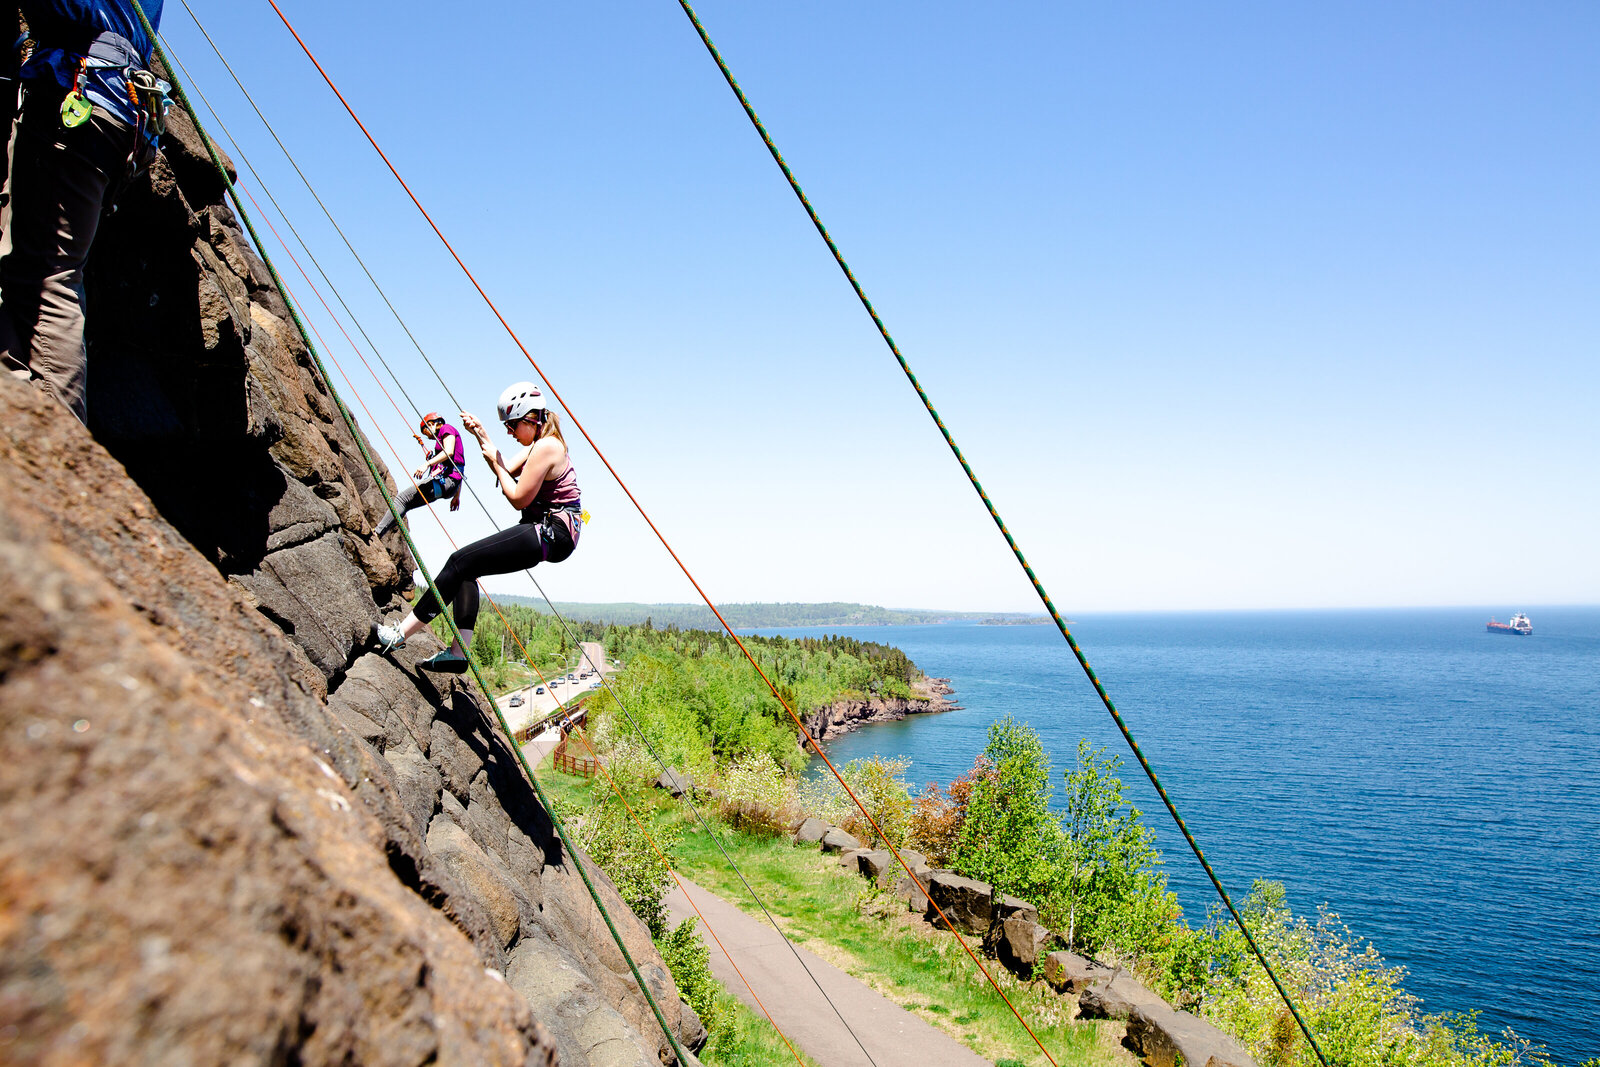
630 859
1354 1001
689 960
879 784
756 796
935 824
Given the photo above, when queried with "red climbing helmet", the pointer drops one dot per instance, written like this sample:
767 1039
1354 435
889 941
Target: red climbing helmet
429 417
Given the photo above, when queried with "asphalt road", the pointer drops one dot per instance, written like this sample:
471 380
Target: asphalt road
535 706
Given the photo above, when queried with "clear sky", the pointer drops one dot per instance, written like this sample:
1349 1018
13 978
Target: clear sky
1246 307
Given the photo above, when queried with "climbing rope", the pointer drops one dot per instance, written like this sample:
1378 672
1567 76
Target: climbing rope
1038 586
578 425
527 656
388 499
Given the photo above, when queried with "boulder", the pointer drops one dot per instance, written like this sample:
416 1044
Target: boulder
674 782
1116 998
836 840
875 863
1166 1037
1017 944
914 859
851 860
963 901
1069 972
913 893
810 831
1006 906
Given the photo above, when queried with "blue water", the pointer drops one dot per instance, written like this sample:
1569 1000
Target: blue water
1433 783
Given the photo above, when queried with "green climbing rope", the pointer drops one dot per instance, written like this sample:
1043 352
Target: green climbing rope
994 514
388 499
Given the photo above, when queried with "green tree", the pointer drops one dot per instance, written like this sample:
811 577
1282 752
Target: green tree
631 861
1010 838
1108 847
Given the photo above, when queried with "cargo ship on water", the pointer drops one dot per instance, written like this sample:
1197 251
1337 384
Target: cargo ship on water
1519 624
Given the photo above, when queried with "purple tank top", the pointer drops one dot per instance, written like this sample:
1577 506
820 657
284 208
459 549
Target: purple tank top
453 465
558 498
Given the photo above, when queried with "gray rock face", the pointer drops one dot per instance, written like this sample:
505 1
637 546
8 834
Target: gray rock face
318 596
836 840
963 901
843 716
851 860
875 863
1067 972
674 782
289 849
1166 1037
810 831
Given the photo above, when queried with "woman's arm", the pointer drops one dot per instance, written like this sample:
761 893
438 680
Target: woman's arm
519 479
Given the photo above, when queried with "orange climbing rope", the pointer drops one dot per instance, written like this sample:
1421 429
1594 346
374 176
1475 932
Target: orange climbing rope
577 423
527 656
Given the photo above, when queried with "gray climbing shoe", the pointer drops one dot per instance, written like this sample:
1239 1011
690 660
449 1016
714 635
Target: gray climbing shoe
389 638
446 662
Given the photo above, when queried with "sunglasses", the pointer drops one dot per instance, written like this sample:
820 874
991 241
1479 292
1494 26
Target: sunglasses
511 424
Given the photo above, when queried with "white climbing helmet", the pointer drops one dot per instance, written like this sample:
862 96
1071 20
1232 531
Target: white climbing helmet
519 401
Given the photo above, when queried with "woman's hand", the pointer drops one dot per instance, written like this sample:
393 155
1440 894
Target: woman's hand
475 428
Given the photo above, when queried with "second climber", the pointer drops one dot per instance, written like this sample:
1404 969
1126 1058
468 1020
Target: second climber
538 479
440 474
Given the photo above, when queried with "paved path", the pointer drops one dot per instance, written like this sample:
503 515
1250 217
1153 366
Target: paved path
894 1036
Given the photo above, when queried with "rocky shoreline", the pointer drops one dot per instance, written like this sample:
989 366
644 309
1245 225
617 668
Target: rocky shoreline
930 696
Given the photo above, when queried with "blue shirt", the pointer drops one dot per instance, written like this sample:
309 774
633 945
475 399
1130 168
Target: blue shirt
105 32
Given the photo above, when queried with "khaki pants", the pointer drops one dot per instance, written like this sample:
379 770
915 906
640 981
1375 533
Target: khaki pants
58 184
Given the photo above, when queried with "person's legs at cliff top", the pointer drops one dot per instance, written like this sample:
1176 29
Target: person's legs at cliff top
57 186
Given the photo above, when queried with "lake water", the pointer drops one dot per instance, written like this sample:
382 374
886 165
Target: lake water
1433 783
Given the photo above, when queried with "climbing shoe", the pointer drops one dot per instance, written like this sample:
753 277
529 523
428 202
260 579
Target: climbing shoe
446 662
389 638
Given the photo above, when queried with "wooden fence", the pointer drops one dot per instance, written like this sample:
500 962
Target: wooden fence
584 766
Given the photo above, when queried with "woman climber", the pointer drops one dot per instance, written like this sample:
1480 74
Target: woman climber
442 470
539 481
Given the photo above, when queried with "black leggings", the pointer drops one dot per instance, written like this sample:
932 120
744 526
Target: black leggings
524 545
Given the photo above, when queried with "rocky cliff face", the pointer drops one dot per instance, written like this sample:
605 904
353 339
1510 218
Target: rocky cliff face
233 834
843 716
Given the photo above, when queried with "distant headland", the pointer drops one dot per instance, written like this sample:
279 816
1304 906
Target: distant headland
753 616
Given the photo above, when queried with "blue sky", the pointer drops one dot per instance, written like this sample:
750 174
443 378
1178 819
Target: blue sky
1248 308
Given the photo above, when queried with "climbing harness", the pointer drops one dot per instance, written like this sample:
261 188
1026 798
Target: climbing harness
388 499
